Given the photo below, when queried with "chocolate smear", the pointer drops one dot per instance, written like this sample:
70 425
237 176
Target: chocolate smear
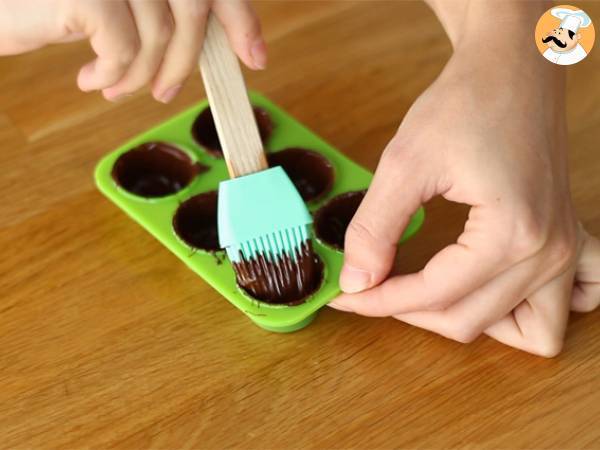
155 169
204 130
333 218
311 173
285 280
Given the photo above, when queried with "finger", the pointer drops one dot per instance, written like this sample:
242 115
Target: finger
339 307
586 293
452 274
243 30
392 298
181 56
465 320
537 325
114 39
72 37
476 310
154 24
371 240
26 26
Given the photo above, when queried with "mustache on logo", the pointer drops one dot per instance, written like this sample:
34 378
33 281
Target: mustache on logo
556 41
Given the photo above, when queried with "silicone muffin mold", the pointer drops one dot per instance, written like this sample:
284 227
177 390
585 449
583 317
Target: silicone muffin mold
180 212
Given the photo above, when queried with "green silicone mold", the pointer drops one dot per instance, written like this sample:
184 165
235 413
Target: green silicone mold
156 215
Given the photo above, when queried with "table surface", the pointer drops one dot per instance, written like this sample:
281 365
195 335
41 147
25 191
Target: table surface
107 340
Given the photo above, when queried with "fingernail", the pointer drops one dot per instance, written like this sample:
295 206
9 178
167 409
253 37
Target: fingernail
334 305
169 94
116 98
258 51
354 280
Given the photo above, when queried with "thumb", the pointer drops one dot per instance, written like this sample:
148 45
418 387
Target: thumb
371 240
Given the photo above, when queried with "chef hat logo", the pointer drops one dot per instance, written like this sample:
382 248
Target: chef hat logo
571 20
564 35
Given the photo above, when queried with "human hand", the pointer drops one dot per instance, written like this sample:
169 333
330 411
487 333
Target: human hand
487 135
137 42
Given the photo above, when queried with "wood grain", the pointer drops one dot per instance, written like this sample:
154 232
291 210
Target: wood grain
106 340
229 104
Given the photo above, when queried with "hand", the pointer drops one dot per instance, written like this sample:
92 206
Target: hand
488 135
136 42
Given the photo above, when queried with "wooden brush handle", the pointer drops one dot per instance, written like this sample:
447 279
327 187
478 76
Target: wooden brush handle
224 84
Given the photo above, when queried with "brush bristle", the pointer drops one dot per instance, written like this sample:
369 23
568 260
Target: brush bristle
287 241
277 275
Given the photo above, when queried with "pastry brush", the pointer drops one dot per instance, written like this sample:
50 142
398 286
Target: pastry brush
263 223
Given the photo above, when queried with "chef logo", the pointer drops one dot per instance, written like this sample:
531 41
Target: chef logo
565 35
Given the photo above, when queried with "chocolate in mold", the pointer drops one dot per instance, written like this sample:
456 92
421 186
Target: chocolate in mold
311 173
333 218
155 169
283 281
195 222
204 130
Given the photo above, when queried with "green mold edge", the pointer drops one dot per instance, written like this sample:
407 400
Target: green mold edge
293 318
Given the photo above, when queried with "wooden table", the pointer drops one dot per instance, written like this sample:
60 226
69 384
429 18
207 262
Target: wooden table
106 339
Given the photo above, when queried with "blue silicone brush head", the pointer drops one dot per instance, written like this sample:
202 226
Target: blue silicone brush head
264 227
261 213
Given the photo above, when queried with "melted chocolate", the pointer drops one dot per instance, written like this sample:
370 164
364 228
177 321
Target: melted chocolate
195 222
155 169
311 173
332 219
285 281
204 130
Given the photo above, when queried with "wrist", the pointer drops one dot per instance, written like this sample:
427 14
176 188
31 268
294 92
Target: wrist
528 87
495 41
474 19
505 25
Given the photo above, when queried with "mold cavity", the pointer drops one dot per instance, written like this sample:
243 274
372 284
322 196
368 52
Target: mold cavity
284 281
205 132
333 218
195 222
155 169
311 173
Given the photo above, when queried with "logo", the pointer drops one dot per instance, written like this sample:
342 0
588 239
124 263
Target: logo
565 35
